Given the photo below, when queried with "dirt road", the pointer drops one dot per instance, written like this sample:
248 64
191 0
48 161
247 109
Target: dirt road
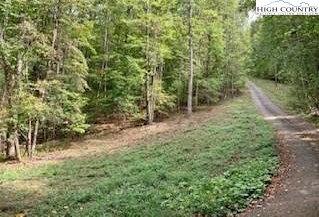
298 195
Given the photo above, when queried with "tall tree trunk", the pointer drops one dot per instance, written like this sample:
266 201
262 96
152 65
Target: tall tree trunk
208 57
56 36
191 66
105 49
276 75
4 91
10 151
106 53
12 82
29 142
3 58
208 62
35 136
17 144
9 86
196 95
149 77
148 100
16 87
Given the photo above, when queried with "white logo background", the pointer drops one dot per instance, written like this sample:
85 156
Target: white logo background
285 3
287 7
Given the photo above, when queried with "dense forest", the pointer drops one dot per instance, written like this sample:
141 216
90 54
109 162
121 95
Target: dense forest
286 49
157 108
65 64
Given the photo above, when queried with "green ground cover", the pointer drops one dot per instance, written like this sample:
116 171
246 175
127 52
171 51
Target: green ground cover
214 169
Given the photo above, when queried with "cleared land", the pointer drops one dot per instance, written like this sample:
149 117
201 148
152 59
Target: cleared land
216 166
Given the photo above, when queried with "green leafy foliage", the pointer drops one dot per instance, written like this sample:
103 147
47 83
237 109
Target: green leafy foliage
64 61
285 49
283 96
224 194
198 171
126 55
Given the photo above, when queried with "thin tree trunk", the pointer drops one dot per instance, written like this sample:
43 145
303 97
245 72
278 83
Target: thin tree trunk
56 36
191 66
9 88
17 145
104 64
179 92
29 143
276 75
209 37
196 95
2 38
16 125
149 74
149 96
106 53
35 136
208 60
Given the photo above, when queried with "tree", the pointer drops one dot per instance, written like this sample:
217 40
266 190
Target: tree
288 53
191 66
43 82
66 63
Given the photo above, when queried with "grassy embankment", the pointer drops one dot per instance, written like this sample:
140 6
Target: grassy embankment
216 169
280 94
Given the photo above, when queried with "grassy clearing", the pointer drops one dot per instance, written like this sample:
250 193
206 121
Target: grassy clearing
279 94
214 169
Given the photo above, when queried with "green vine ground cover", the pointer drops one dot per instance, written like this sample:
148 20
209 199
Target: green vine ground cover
212 170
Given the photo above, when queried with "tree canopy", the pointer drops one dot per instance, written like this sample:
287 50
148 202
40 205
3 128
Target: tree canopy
65 64
286 49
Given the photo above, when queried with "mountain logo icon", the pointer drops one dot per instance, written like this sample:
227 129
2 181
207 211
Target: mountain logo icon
286 3
287 7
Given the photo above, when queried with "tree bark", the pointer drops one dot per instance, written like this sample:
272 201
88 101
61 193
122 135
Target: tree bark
17 145
3 58
105 59
35 136
56 36
149 77
196 95
10 148
10 151
191 66
29 142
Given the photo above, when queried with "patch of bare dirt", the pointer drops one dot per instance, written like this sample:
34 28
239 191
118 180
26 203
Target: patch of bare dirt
108 143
